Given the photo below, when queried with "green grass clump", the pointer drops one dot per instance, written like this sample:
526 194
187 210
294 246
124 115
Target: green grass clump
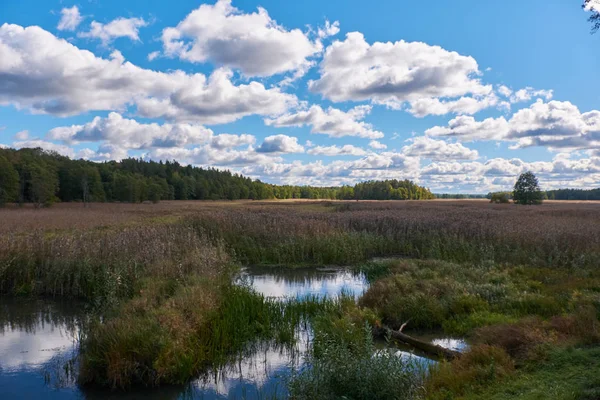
565 374
353 368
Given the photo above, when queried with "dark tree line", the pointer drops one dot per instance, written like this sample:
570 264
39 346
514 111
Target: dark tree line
459 196
42 178
558 194
573 194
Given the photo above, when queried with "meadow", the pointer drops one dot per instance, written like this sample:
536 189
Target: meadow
522 283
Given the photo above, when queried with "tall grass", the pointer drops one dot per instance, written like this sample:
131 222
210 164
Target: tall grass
354 369
104 265
553 235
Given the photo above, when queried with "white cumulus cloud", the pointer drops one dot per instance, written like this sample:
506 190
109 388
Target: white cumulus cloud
332 151
332 121
426 147
280 144
252 42
555 125
64 80
70 18
120 27
394 73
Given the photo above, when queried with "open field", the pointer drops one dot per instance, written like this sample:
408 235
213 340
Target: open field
67 216
521 282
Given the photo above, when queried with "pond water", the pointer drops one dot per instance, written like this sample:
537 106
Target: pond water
39 343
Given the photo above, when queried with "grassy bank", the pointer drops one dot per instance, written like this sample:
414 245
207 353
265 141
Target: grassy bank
457 298
522 322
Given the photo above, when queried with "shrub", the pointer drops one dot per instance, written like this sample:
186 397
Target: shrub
477 368
500 197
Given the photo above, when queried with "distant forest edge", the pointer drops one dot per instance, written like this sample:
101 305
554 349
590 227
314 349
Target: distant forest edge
43 177
558 194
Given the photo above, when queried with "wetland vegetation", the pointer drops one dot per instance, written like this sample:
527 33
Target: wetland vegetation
162 302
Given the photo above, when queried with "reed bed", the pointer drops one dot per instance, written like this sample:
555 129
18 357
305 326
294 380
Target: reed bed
556 235
102 265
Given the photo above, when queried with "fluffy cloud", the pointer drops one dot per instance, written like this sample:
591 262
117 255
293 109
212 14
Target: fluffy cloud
209 156
529 93
186 143
330 29
332 121
120 27
217 100
374 144
500 173
280 144
474 104
373 166
331 151
395 73
22 135
463 105
504 90
560 168
253 43
105 152
130 134
69 19
438 149
227 140
554 124
65 80
467 128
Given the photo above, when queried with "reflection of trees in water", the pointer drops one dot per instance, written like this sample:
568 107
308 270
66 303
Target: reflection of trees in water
297 276
258 372
30 316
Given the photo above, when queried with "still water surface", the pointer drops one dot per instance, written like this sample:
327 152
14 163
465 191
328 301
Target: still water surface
38 341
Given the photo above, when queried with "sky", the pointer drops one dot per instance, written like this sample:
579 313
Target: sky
460 96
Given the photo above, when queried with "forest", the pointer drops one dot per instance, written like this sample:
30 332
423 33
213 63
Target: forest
42 178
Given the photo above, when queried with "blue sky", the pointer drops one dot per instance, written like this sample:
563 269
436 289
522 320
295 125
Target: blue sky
459 96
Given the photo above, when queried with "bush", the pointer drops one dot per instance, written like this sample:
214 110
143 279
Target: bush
500 197
477 368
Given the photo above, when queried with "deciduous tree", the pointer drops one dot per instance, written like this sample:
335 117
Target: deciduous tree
527 190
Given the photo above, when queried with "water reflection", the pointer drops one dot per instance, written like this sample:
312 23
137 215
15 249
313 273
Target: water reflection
304 282
38 342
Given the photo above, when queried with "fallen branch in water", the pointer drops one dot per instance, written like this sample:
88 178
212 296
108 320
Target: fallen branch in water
426 347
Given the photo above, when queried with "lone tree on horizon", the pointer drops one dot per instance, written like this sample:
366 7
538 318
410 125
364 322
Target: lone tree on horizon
527 190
